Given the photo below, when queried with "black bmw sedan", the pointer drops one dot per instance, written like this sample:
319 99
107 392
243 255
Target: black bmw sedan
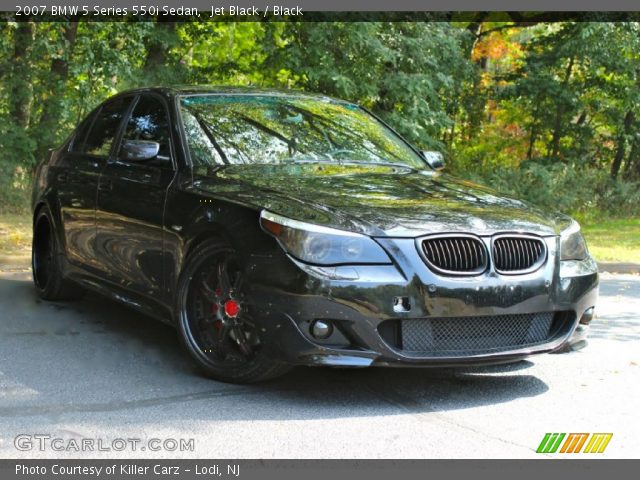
279 228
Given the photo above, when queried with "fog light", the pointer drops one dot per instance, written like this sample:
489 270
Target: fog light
321 329
587 316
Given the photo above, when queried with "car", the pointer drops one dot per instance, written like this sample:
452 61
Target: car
281 228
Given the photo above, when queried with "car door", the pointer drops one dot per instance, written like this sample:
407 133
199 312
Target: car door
77 174
130 205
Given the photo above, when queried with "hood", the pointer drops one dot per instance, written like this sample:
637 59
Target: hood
376 200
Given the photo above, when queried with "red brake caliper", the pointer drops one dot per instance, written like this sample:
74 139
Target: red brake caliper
231 308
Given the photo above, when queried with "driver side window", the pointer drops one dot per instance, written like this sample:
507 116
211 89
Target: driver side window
149 121
104 129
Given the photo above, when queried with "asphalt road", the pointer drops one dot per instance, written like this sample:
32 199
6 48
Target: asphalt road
92 369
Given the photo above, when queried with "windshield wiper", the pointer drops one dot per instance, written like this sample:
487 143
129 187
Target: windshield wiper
306 160
212 138
348 162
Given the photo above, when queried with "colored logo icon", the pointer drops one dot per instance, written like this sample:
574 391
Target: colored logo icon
574 442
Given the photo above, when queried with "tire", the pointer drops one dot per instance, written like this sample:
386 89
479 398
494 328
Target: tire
46 261
214 318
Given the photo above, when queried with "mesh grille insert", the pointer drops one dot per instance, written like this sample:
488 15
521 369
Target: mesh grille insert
518 254
455 254
459 336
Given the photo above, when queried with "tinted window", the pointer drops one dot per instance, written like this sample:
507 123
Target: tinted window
276 129
105 128
149 121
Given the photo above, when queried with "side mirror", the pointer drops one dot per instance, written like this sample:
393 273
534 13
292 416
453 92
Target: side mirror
434 159
139 150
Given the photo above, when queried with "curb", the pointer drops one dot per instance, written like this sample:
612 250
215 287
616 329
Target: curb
619 267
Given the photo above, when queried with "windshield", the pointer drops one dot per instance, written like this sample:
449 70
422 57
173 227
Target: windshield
261 129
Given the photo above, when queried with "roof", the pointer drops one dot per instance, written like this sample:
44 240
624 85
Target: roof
226 90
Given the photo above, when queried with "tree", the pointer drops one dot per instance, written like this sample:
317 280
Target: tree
405 72
517 102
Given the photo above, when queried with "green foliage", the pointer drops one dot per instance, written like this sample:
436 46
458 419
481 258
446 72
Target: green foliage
613 240
404 72
547 112
585 192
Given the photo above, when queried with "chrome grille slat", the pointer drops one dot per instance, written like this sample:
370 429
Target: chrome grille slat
431 249
498 254
525 252
441 257
517 253
449 255
532 254
465 254
443 253
512 260
473 254
458 264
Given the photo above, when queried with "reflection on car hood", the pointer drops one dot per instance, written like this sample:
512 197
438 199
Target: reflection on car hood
376 200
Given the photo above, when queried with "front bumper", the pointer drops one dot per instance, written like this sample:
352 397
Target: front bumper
363 301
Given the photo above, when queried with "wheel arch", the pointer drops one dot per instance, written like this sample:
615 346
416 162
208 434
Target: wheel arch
206 236
55 218
235 225
37 209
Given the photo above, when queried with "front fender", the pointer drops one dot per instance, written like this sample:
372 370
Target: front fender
191 218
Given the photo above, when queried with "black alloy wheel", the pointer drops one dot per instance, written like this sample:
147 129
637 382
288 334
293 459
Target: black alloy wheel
46 261
216 319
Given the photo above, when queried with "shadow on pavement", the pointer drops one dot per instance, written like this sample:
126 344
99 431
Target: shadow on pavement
94 355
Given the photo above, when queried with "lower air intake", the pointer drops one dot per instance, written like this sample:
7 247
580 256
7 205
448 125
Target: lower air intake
463 336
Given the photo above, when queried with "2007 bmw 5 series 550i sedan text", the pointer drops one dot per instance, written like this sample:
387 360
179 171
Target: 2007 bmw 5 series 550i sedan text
279 228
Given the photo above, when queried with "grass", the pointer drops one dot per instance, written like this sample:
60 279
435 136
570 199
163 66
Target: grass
608 240
15 234
614 240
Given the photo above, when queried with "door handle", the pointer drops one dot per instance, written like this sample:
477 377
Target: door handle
62 177
105 185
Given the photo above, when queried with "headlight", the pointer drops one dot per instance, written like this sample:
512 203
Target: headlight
572 244
322 245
